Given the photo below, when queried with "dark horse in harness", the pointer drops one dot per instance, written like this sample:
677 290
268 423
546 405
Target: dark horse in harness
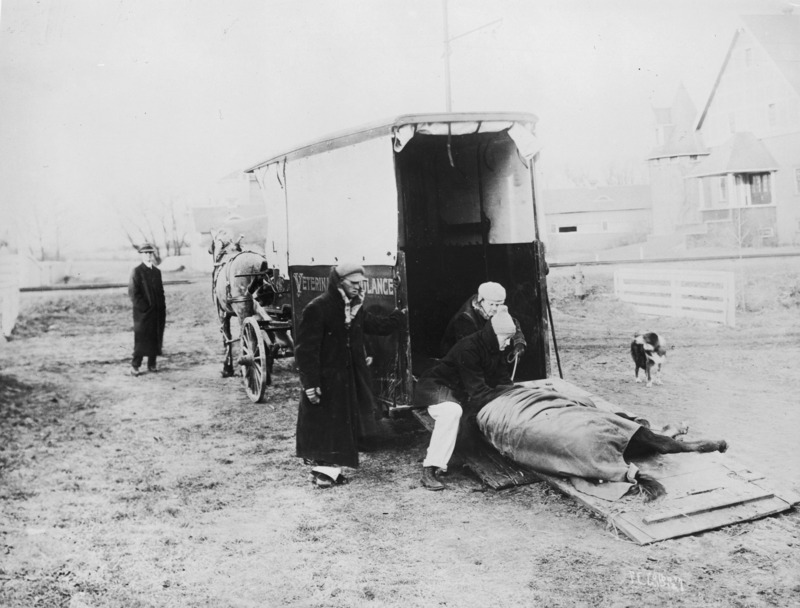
237 275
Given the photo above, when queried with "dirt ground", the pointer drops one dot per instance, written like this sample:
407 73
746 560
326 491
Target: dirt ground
173 489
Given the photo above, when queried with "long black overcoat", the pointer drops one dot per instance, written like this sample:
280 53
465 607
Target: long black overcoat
331 356
146 292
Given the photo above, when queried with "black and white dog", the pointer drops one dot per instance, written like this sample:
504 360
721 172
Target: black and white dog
648 351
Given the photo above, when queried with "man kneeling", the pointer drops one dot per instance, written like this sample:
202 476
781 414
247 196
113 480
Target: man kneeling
473 373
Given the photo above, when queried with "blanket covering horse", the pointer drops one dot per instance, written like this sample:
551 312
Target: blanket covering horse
559 435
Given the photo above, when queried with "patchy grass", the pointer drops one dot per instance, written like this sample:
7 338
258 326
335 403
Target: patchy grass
173 489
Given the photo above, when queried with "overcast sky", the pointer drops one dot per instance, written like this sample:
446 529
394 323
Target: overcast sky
115 104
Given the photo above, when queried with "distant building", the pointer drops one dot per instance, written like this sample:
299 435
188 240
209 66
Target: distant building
743 184
236 189
238 207
248 221
589 219
679 150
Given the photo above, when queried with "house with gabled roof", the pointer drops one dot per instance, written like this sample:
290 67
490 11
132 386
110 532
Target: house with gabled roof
747 186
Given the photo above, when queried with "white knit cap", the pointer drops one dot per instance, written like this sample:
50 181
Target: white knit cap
350 270
502 323
492 291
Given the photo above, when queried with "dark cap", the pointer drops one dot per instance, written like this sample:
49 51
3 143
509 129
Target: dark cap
147 248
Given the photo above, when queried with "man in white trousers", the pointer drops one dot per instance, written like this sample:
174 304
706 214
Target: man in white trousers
474 371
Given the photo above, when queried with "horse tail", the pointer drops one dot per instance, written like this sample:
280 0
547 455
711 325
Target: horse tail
649 488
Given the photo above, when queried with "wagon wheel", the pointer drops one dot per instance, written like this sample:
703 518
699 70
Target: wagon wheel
255 361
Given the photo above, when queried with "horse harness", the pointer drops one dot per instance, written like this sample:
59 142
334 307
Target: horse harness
215 276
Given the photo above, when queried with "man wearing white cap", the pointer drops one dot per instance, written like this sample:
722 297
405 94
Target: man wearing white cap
474 372
337 408
473 315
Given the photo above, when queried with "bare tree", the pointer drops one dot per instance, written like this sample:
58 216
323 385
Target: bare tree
579 176
42 231
158 224
741 230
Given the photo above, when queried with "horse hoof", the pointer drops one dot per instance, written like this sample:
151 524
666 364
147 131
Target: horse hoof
227 373
723 446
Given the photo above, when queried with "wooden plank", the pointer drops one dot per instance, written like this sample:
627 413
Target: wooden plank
709 305
631 522
695 291
717 498
629 289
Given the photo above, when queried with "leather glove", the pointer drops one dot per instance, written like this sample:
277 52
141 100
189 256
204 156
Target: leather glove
314 395
516 352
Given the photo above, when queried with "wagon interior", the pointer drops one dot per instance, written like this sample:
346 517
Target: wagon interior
467 216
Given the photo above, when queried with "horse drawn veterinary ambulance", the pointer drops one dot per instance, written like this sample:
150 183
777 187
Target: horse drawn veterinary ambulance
433 206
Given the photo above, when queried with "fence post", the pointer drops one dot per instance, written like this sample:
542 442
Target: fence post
730 290
675 296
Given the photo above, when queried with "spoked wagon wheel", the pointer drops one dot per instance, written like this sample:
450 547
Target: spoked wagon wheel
254 361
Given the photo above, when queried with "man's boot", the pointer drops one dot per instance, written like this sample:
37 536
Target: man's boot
429 480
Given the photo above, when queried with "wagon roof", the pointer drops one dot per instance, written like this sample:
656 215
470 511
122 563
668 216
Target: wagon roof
385 127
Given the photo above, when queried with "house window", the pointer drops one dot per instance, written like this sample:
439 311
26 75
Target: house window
723 188
568 229
772 115
754 188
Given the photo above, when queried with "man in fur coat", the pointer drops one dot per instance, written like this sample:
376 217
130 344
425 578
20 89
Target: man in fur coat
146 292
337 407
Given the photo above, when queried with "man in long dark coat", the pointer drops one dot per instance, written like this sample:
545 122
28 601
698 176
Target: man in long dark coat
337 408
146 292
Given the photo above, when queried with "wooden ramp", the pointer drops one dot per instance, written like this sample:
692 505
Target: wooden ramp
704 491
493 469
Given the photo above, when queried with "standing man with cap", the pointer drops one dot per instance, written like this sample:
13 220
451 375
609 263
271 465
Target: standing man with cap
474 372
337 408
473 315
146 292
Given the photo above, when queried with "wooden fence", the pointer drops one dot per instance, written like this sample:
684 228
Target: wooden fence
9 292
706 295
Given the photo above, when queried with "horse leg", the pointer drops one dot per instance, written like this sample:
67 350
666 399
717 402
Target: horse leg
646 443
227 366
